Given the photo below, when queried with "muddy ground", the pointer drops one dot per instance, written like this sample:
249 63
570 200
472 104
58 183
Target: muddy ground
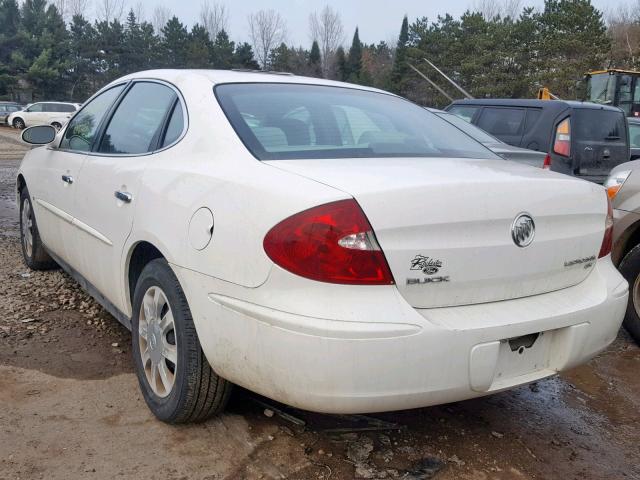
70 407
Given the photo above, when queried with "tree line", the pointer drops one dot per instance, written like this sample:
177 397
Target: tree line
50 51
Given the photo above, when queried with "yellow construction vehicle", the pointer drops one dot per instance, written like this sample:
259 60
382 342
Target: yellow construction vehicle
620 88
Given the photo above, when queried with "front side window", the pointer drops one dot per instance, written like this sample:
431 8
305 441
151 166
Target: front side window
37 107
634 135
464 112
291 121
136 124
81 132
502 121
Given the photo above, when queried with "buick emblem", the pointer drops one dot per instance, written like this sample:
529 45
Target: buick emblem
523 229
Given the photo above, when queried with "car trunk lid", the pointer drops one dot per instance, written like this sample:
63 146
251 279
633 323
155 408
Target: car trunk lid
445 225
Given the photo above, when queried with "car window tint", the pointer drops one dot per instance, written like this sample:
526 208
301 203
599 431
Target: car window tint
634 135
175 127
67 108
502 121
533 114
81 131
35 108
135 125
283 121
466 113
468 128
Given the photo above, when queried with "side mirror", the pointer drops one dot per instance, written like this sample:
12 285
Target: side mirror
39 135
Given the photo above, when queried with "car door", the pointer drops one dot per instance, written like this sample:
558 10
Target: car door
506 123
56 173
33 115
108 183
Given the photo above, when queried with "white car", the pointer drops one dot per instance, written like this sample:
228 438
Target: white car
330 246
42 113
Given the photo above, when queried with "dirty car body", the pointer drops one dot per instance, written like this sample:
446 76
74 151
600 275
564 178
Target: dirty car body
340 249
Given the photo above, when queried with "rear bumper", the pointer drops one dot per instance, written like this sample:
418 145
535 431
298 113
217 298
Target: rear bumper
414 359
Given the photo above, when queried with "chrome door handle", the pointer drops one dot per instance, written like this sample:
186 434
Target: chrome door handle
126 197
67 178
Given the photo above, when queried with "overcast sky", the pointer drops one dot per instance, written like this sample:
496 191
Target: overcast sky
377 19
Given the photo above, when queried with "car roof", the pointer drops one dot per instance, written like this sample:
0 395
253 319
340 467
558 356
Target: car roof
528 102
217 77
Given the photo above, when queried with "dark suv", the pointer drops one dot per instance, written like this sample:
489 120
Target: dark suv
582 139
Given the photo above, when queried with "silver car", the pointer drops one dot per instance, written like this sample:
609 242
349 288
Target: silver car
506 151
6 109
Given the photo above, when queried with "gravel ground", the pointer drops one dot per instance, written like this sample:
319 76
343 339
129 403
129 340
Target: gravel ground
71 408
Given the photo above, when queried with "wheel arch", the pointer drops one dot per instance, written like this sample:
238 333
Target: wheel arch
140 254
629 239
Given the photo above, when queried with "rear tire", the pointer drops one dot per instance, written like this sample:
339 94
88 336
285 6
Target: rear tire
630 269
33 251
18 123
175 377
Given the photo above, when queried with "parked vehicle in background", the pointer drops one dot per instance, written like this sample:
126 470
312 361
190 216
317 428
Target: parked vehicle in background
41 113
6 109
634 137
585 140
623 188
59 122
216 212
506 151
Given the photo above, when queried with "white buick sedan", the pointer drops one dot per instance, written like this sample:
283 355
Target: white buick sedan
330 246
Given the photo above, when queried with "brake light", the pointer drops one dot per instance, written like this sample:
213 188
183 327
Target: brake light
547 162
330 243
607 240
562 144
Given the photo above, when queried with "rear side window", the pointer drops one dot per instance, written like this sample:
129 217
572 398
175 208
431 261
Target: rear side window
175 126
12 108
464 112
502 121
292 121
135 126
81 132
63 107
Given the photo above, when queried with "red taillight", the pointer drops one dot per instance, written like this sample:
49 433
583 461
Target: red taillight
607 240
330 243
562 143
547 162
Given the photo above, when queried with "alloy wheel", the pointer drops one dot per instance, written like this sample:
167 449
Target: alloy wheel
27 228
157 338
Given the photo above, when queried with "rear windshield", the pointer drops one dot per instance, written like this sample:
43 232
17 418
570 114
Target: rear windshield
291 121
599 125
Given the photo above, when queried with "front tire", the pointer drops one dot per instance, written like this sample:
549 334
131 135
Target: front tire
175 377
33 251
630 269
18 123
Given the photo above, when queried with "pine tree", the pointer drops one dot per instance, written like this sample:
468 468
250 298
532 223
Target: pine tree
243 57
223 51
354 61
199 50
315 61
174 43
10 21
400 67
280 59
342 69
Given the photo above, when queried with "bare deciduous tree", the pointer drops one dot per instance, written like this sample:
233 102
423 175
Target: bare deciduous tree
267 29
491 9
326 28
109 10
77 7
160 17
139 11
63 7
214 17
623 24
